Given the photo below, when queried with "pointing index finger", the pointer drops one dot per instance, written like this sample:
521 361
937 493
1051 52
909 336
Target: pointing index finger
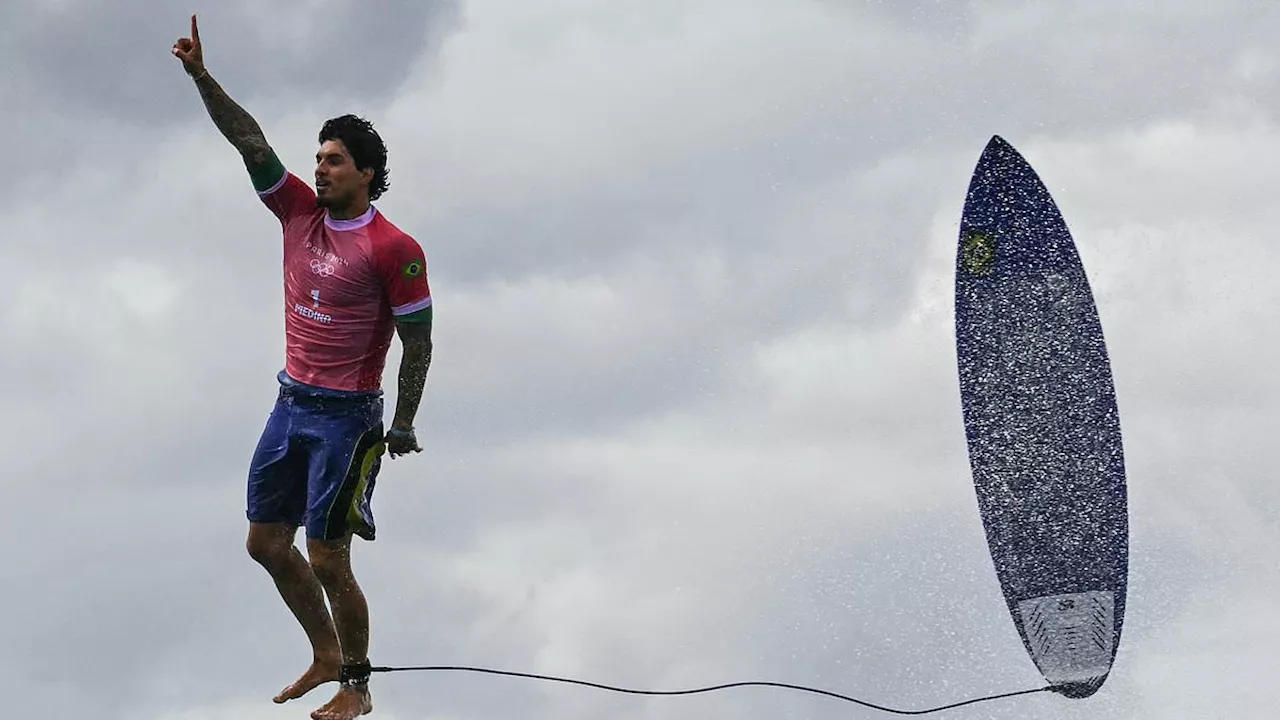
195 31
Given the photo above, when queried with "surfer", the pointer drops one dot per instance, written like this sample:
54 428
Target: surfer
352 280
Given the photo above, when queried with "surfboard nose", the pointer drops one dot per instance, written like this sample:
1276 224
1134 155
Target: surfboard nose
999 156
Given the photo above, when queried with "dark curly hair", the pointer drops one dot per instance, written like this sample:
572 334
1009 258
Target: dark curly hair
364 144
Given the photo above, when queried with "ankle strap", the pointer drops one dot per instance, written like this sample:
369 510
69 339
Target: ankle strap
357 674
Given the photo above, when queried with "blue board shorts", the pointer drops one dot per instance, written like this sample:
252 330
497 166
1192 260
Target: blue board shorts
317 461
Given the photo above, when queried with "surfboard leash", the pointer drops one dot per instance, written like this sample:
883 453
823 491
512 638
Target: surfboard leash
709 688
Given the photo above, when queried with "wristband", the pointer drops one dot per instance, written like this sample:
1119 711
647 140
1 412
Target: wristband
402 433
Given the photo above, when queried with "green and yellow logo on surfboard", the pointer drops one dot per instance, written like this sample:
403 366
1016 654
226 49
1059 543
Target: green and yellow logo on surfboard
979 254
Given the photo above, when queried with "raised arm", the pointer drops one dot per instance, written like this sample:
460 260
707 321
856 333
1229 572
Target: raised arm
235 123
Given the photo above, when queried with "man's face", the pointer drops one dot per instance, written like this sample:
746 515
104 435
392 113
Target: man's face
338 182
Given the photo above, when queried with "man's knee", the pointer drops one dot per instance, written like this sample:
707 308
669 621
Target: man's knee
269 545
330 560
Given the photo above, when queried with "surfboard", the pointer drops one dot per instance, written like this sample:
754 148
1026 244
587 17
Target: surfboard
1041 423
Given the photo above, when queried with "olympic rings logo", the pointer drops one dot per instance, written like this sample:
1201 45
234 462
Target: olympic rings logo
323 269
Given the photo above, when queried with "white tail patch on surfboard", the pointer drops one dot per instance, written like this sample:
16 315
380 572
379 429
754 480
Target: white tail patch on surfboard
1070 635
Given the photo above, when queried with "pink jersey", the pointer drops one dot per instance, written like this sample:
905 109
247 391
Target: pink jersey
344 283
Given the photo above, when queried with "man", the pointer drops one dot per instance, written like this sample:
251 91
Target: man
351 279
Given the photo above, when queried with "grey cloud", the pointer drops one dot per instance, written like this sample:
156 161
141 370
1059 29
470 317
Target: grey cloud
729 215
111 61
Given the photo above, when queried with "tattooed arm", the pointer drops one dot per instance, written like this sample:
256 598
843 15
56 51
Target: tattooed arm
235 123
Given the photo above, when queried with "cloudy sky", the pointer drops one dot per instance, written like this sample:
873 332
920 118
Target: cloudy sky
693 416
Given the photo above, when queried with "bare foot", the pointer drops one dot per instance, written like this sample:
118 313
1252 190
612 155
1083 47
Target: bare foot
320 672
349 703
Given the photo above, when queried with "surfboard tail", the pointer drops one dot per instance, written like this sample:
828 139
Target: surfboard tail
1071 639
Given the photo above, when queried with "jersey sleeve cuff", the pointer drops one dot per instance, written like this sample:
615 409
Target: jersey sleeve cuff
270 177
411 308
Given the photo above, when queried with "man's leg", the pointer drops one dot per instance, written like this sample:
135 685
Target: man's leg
343 471
271 545
276 505
331 561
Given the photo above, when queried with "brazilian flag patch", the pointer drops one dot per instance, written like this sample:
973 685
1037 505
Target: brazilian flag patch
979 253
412 269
